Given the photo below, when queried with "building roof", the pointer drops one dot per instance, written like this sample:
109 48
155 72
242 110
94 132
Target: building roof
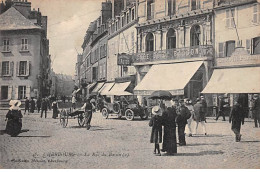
12 19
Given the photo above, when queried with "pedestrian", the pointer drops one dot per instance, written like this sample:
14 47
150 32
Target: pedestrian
88 108
144 102
39 102
188 104
183 114
27 105
199 116
221 110
32 105
55 109
156 124
169 130
256 110
204 106
44 107
237 118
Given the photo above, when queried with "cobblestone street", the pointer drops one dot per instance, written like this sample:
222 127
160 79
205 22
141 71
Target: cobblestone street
114 143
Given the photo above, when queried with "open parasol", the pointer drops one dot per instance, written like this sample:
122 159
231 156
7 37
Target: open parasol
161 94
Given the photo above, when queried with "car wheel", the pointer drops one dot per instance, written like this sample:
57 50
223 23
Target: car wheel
105 113
129 114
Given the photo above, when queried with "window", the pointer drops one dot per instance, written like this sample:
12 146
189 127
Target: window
21 92
256 13
94 73
116 25
150 9
5 68
230 18
24 44
171 7
4 92
256 45
122 21
22 67
195 4
171 39
195 35
133 14
230 48
6 43
149 42
133 41
127 17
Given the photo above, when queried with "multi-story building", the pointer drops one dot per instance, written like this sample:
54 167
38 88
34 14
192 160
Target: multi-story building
175 46
24 53
237 50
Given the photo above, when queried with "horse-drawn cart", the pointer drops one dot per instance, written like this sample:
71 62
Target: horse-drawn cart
66 114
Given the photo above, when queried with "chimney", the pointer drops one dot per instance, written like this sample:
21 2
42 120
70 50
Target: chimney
23 7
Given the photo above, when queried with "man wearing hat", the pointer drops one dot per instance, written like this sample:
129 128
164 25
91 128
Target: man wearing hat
256 110
156 124
222 104
183 114
14 124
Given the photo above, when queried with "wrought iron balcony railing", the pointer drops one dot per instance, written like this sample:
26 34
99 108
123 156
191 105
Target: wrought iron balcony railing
174 54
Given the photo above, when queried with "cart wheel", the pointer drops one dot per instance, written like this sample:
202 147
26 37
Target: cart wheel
81 120
64 118
105 113
144 115
129 114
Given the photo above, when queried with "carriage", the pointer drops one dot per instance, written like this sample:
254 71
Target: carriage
66 114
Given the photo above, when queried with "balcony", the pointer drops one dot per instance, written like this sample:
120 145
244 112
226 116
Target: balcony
174 54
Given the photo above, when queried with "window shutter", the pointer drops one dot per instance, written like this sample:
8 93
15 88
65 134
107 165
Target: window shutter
11 68
27 68
248 46
17 68
221 49
225 49
10 90
0 69
16 92
258 12
255 13
28 92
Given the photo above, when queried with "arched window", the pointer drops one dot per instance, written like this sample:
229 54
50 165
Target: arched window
195 35
149 42
171 39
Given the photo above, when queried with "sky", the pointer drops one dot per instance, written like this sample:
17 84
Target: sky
68 21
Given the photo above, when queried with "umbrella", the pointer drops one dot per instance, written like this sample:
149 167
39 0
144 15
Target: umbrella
161 95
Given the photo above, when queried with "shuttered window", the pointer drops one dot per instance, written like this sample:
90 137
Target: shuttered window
6 44
4 92
22 67
6 68
230 18
21 92
24 44
256 45
256 14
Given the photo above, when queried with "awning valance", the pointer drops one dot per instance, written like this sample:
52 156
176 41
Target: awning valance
119 89
105 89
168 77
234 80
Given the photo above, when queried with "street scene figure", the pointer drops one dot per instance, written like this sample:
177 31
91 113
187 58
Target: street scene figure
199 116
26 105
32 105
88 108
39 103
188 104
256 110
156 124
236 119
222 105
55 109
183 114
44 107
14 118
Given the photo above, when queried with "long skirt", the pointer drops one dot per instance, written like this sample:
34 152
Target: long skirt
156 135
13 127
169 140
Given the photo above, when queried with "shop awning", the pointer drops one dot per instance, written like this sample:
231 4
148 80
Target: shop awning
105 89
169 77
97 88
119 89
234 80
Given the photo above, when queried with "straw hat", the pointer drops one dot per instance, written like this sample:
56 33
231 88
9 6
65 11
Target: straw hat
157 111
15 104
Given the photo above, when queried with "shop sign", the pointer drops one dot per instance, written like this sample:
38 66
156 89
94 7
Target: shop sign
149 92
124 59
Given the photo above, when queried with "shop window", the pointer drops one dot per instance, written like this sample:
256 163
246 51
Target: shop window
171 7
4 92
256 45
150 9
195 35
6 44
24 44
230 48
149 42
171 39
230 18
5 68
21 92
